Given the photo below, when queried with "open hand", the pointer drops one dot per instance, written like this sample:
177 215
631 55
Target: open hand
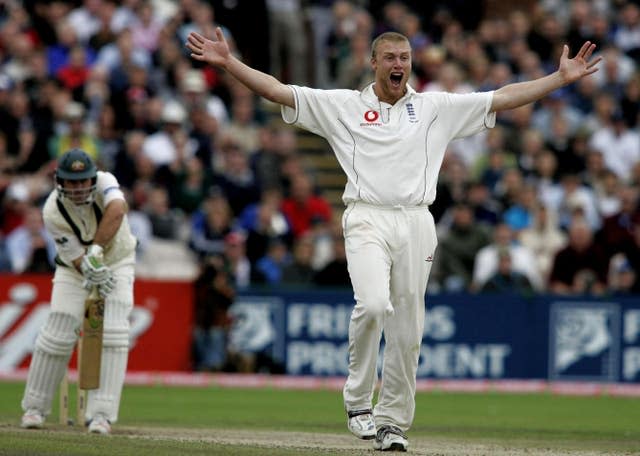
206 50
579 66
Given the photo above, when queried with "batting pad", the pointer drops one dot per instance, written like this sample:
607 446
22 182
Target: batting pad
115 352
53 349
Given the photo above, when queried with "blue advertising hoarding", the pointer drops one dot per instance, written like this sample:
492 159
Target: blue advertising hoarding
465 336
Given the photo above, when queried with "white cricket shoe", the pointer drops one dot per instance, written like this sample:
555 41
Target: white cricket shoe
361 424
390 438
100 425
32 419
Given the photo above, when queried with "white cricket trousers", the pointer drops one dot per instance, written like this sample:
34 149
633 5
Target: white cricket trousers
389 256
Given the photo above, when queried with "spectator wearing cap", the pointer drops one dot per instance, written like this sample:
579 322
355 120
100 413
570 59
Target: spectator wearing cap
75 136
15 204
194 90
170 143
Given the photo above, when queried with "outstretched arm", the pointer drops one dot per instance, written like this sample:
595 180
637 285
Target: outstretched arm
570 70
217 53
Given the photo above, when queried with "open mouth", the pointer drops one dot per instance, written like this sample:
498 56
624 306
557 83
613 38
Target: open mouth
396 79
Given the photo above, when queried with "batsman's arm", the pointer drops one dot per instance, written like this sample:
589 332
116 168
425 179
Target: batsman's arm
111 220
217 53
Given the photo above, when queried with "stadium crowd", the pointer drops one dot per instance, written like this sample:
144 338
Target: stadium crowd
547 201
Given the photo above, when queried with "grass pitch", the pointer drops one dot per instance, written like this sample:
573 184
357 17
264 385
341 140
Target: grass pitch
177 420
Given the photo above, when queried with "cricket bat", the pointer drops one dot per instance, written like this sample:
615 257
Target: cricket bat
90 355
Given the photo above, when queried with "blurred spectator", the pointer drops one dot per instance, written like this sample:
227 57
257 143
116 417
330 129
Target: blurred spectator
266 162
58 54
194 91
619 145
335 273
268 269
75 73
163 146
506 279
607 189
146 26
75 135
457 249
522 259
213 295
556 108
263 221
190 184
616 234
543 238
571 197
243 126
622 279
302 205
166 222
236 179
582 266
627 34
355 72
299 271
486 209
236 262
520 214
15 205
30 247
288 55
210 225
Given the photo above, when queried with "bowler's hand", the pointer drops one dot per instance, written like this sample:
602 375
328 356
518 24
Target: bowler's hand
579 66
210 51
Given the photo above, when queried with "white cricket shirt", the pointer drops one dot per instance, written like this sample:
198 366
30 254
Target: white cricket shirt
68 245
391 154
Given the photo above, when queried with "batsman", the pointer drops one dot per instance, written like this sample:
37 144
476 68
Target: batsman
86 214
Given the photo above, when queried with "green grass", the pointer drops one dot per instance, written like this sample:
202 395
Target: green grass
527 421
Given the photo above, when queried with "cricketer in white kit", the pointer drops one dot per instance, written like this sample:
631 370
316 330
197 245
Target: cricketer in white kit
390 142
86 216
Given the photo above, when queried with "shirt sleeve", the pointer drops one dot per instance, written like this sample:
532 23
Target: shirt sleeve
315 110
466 114
109 188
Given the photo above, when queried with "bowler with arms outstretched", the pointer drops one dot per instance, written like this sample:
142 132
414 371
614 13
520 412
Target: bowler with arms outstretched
390 141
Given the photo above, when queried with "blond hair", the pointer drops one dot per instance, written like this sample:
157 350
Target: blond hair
394 37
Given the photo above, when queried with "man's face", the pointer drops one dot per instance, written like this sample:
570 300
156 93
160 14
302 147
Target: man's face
78 191
392 66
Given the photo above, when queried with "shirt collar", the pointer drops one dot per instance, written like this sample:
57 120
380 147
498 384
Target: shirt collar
370 97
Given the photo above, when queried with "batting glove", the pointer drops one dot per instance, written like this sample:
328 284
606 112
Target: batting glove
105 288
93 267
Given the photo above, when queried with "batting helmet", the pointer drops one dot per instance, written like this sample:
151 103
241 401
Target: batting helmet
76 165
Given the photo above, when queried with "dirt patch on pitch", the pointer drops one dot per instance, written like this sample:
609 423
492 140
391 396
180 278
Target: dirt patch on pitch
343 444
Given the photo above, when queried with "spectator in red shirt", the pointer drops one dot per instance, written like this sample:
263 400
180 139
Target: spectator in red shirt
303 207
